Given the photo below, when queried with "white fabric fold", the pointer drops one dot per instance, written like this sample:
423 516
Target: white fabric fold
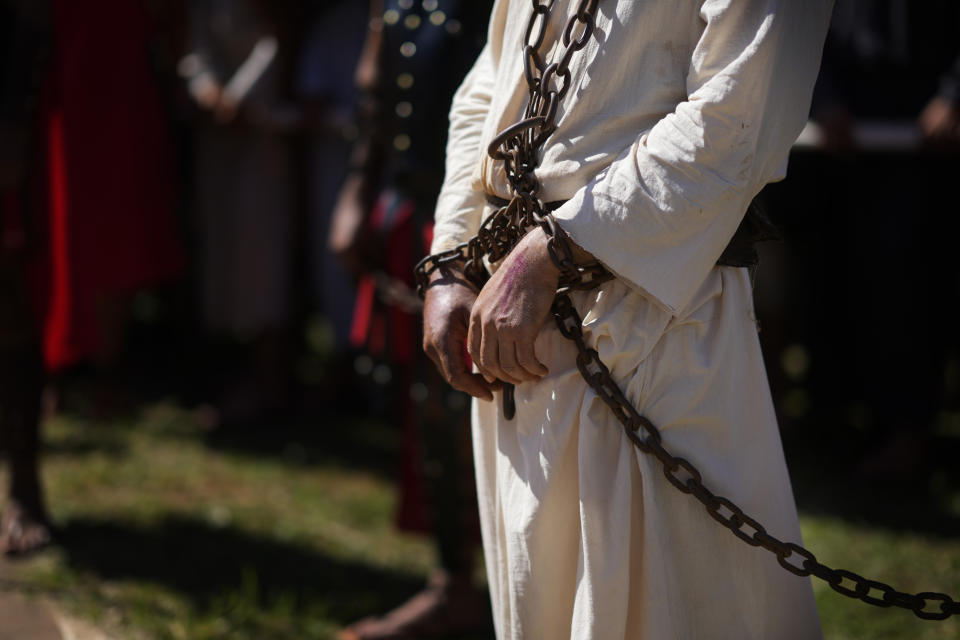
584 537
679 112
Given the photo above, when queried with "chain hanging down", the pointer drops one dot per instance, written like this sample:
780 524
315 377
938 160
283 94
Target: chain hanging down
519 146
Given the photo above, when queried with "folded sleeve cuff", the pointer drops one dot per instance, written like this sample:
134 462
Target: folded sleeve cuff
668 274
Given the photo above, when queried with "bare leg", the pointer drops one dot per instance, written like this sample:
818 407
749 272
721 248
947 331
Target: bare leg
450 605
24 527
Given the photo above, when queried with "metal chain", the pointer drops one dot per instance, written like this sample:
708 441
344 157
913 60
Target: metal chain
519 147
684 476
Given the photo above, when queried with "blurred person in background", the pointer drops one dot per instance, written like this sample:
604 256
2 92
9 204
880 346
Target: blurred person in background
891 60
325 88
88 219
108 227
892 66
24 44
236 75
415 57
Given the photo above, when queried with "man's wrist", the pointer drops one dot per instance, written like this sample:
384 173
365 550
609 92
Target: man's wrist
564 246
450 274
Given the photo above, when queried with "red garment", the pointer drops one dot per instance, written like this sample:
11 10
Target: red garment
108 221
391 333
383 330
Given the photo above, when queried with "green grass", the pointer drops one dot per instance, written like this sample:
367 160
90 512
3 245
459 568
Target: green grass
907 561
167 536
170 532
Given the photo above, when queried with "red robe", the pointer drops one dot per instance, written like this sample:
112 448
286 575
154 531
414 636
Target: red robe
108 223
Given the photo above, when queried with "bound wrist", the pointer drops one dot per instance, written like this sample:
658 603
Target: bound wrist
536 252
449 275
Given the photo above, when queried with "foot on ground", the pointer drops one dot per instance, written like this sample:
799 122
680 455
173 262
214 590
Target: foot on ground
23 531
447 608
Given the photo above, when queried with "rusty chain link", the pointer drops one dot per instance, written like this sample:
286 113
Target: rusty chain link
684 476
519 147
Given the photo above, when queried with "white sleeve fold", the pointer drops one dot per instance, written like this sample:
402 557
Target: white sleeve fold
461 200
661 214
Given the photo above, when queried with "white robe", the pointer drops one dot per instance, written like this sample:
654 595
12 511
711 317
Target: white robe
679 112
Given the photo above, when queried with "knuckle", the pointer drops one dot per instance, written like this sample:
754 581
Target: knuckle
504 324
460 382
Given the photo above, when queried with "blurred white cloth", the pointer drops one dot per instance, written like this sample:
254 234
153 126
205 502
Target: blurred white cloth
245 173
678 113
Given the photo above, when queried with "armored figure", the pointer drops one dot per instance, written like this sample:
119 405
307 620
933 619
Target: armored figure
416 55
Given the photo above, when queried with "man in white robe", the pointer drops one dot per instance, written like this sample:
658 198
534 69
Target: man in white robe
679 112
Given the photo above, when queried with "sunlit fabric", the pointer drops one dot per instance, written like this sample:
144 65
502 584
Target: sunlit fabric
678 114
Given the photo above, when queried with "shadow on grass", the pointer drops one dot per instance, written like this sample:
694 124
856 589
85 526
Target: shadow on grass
336 439
104 441
205 565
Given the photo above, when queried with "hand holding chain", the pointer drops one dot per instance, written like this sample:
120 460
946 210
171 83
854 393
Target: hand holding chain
519 147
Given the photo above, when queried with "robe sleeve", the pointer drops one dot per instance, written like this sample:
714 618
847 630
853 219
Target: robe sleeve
461 200
253 69
661 213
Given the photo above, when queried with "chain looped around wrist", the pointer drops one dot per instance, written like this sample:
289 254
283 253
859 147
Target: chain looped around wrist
519 147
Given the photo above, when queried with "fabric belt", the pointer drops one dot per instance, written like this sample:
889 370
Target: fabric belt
740 251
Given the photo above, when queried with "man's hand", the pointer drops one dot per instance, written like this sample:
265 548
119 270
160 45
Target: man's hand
226 110
510 310
940 123
446 311
206 93
346 239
